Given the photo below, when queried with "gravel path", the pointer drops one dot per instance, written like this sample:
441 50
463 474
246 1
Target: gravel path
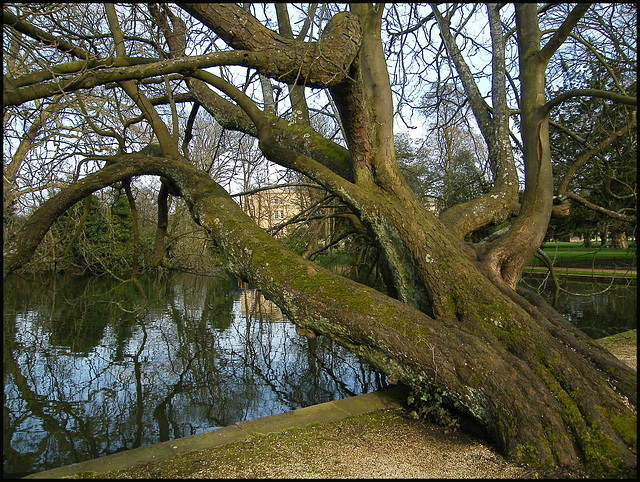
385 444
382 444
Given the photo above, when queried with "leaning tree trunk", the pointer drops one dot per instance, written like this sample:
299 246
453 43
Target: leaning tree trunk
554 368
540 387
542 390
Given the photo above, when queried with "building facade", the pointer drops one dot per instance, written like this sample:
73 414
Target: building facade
272 206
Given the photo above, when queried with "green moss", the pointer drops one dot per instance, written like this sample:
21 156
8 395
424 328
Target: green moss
498 318
477 379
506 422
254 457
571 413
87 474
496 315
329 149
602 457
627 427
551 441
310 278
527 454
449 301
626 337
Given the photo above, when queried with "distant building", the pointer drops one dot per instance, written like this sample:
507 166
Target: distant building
431 203
273 206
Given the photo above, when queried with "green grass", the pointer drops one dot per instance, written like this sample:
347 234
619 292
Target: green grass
578 244
563 251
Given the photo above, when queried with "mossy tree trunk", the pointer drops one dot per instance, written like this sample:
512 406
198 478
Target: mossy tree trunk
543 391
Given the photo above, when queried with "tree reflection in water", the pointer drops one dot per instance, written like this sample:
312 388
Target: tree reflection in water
599 308
86 374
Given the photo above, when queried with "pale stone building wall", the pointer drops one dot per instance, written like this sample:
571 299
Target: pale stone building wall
273 206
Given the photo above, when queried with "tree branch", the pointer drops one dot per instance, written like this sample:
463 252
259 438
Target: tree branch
600 209
556 286
37 34
313 64
26 143
480 108
168 144
308 150
592 152
603 94
563 32
29 237
279 186
502 201
14 93
601 59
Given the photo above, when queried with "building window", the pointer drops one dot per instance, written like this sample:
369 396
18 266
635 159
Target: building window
275 200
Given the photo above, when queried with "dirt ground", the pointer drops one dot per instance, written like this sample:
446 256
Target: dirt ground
384 444
624 346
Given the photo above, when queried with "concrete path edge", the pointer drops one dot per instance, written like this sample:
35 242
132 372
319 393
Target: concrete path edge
327 412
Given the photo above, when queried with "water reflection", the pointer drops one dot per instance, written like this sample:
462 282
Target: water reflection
599 308
86 374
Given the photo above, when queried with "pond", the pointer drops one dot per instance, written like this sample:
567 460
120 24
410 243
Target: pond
87 373
598 307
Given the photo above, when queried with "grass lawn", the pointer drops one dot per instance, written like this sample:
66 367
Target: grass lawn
562 252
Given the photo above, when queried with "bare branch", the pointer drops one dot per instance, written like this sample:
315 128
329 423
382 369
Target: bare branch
563 32
37 34
600 209
603 94
15 94
592 152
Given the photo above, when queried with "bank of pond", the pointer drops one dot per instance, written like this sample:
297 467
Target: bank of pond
93 367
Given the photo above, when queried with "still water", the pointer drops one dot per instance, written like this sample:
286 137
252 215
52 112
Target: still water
599 308
87 374
92 367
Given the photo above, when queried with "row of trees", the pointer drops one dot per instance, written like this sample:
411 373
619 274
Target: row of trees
86 87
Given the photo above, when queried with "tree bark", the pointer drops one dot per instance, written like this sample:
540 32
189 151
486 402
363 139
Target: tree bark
511 253
502 201
559 401
547 385
316 64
